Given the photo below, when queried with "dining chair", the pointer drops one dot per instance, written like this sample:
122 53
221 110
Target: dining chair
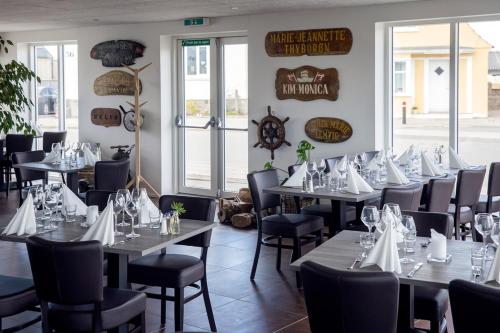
49 138
408 197
17 295
14 143
432 303
23 176
490 203
68 278
298 227
350 302
438 195
109 176
474 306
98 198
178 271
468 189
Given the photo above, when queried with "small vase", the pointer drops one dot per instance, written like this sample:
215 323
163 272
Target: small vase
175 227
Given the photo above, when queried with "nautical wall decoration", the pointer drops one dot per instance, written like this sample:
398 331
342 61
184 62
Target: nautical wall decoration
115 83
116 53
106 117
328 130
129 119
271 132
308 42
307 83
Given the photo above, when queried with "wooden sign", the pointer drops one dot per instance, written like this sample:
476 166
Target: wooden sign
106 117
307 83
328 130
115 83
116 53
308 42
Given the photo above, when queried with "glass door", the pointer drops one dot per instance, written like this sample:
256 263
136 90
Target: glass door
213 115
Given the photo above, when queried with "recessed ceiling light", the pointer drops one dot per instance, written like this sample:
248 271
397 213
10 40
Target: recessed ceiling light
235 8
96 20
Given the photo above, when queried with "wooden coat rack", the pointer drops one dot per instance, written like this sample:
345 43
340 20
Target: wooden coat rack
138 178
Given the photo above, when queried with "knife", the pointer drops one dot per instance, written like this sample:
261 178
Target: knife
415 269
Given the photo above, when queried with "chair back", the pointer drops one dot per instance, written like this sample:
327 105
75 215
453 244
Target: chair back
469 183
425 221
98 198
494 180
292 169
111 175
24 175
52 137
66 273
15 143
439 193
333 299
331 162
257 182
197 208
408 198
474 306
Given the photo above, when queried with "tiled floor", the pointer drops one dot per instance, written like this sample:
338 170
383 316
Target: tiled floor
271 303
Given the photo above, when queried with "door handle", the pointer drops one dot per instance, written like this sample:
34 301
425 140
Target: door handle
222 128
179 121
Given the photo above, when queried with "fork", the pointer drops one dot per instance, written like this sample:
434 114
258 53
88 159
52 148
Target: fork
358 259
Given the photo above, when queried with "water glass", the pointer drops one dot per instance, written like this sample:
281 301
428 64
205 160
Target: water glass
124 194
409 237
117 200
132 209
154 219
70 210
477 262
370 217
334 183
367 241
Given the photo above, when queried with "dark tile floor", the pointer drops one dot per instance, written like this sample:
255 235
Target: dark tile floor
271 303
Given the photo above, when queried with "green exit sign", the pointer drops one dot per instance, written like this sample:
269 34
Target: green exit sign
196 21
195 42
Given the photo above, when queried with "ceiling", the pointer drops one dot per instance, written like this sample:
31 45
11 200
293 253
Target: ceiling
18 15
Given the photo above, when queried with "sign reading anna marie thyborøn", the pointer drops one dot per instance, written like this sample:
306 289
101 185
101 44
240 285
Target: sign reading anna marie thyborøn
308 42
307 83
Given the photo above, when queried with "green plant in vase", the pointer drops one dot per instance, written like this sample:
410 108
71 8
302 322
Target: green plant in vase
304 151
178 210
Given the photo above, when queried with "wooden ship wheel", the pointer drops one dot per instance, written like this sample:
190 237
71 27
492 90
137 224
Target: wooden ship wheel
271 132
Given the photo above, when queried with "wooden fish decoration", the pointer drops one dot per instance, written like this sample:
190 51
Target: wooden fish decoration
115 53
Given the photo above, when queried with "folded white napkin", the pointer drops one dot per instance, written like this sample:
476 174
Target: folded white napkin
438 245
394 175
72 199
342 164
103 229
385 252
88 156
428 167
54 156
335 173
404 158
148 206
456 162
296 179
375 161
356 183
92 214
24 221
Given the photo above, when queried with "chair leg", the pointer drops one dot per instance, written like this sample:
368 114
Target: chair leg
179 309
163 306
319 237
8 182
208 304
296 254
278 257
257 253
456 216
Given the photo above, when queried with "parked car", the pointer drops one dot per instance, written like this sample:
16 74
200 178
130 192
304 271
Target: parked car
47 99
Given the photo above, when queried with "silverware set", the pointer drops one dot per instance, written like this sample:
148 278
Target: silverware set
357 260
121 242
415 269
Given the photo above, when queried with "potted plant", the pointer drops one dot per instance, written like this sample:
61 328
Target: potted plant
13 101
304 151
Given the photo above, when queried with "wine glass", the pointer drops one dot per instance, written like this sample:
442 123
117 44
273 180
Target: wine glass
57 190
51 201
441 152
409 232
311 170
370 217
34 191
131 208
124 194
394 208
117 200
484 224
321 170
342 169
143 197
136 196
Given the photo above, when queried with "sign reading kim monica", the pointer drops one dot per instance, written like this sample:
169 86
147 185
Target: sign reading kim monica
307 83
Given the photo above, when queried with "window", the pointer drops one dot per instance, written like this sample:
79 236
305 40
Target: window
400 77
196 60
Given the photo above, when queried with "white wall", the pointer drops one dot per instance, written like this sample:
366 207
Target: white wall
361 76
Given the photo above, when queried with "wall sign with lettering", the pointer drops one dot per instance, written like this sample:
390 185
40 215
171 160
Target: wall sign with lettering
328 130
308 42
307 83
106 117
115 83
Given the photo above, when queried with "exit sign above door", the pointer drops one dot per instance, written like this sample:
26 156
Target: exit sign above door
196 21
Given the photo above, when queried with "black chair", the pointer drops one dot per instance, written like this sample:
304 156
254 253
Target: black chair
25 175
14 143
408 197
52 137
474 307
17 295
490 203
432 303
98 198
350 302
111 175
68 279
438 196
298 227
178 271
469 183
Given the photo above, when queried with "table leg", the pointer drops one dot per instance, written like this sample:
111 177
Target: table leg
406 317
72 181
338 217
117 278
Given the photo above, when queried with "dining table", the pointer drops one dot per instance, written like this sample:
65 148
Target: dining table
340 251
